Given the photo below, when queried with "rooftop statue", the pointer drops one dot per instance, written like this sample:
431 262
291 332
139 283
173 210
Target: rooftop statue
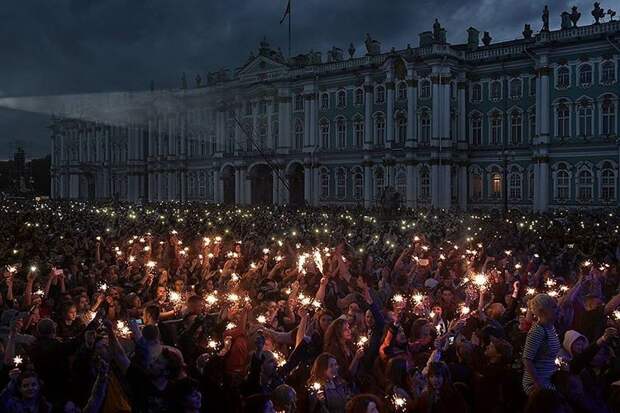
545 19
597 12
373 46
566 24
351 51
574 16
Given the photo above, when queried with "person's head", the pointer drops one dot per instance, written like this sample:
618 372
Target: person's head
284 398
150 333
150 314
496 311
396 372
339 331
364 403
421 329
46 328
83 303
592 302
324 318
544 307
69 312
195 305
438 375
179 285
269 365
324 368
161 293
447 295
574 342
28 385
498 350
548 401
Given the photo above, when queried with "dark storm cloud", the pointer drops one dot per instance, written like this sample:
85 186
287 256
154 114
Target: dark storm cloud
70 46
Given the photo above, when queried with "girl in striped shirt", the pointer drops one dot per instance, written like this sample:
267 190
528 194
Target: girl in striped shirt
541 346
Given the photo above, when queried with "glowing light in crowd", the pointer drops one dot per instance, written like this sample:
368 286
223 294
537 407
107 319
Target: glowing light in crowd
400 403
33 268
318 260
17 360
398 298
122 329
261 319
103 287
362 341
11 269
175 297
230 326
151 264
480 281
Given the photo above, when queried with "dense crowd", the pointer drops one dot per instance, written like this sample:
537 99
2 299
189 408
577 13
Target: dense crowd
185 307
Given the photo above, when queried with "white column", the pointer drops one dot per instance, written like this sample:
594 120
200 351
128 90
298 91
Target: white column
307 122
389 116
368 102
463 180
269 143
367 185
308 184
411 185
412 107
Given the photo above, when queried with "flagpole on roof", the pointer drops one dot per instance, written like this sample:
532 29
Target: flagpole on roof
287 12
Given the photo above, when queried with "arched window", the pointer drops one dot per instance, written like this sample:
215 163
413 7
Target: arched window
496 128
496 185
358 130
563 78
379 183
358 184
341 183
584 186
496 90
402 91
324 131
476 92
401 184
585 75
342 99
608 117
425 127
324 101
425 183
324 183
299 134
515 186
341 133
584 118
476 129
379 95
608 183
563 120
379 130
359 96
608 72
562 184
401 128
516 128
516 88
476 186
425 89
275 134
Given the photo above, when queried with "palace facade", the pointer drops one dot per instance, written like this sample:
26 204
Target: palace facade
530 123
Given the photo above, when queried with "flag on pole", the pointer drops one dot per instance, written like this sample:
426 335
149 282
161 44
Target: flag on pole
287 11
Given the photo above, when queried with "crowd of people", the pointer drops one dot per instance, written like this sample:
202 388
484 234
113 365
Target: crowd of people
187 307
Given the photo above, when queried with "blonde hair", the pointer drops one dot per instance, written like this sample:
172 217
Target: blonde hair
541 302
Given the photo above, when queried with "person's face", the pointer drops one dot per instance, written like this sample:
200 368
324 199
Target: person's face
491 352
178 285
137 302
592 304
29 388
84 304
372 408
447 296
346 332
324 321
578 346
332 369
436 381
438 311
193 400
71 314
161 293
146 318
370 320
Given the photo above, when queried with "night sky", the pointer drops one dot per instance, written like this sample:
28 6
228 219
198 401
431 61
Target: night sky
76 46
